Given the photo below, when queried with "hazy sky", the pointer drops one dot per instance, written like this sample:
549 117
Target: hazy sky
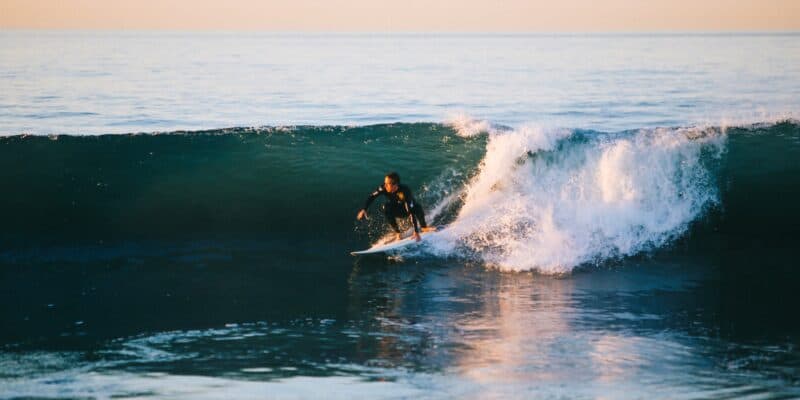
405 15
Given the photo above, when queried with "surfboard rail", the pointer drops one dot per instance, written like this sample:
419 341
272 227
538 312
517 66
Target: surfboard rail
382 246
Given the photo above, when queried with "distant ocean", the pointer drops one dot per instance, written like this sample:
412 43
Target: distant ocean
178 209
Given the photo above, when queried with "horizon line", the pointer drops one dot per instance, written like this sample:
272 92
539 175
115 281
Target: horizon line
409 32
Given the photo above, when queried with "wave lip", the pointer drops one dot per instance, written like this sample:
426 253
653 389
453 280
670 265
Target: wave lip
550 200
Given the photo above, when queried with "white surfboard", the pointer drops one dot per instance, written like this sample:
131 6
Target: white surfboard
387 244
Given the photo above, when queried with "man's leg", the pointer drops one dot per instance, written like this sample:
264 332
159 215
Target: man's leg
391 218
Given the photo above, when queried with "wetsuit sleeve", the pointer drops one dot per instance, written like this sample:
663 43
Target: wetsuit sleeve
408 203
373 196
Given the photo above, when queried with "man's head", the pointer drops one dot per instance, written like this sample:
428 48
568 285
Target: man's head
391 182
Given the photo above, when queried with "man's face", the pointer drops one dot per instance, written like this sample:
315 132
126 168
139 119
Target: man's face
390 186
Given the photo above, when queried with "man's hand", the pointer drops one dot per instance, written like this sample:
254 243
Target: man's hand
362 214
417 237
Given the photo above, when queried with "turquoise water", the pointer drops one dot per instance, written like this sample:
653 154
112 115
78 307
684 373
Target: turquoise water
620 210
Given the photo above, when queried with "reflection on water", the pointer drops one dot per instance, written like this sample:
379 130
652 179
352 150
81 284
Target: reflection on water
620 333
408 328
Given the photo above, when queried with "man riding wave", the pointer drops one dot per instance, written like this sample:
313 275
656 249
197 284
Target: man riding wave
400 203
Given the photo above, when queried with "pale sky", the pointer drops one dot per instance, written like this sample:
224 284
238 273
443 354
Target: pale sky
406 15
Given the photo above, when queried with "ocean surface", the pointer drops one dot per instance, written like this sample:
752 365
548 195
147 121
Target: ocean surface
620 213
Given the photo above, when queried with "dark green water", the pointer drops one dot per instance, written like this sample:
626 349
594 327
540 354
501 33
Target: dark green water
215 264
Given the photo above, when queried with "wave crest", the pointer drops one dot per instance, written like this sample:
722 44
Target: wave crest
550 200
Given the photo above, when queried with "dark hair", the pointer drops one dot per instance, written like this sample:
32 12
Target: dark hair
393 177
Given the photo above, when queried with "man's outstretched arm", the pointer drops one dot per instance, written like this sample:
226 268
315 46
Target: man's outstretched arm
363 212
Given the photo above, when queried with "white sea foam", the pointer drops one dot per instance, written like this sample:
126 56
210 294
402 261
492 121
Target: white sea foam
467 126
550 200
758 117
128 385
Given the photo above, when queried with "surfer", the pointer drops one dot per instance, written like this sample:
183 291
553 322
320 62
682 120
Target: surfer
400 203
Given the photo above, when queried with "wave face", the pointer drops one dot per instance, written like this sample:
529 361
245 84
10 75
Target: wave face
518 199
288 184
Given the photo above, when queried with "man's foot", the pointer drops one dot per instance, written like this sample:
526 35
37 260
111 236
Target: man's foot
429 229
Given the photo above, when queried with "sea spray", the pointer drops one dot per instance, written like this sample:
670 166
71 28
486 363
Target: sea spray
550 200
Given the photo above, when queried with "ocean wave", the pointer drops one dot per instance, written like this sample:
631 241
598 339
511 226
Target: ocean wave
515 198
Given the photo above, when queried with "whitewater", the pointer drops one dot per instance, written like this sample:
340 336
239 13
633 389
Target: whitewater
551 200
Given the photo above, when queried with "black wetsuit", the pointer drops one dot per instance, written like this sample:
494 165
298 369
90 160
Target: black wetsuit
399 204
